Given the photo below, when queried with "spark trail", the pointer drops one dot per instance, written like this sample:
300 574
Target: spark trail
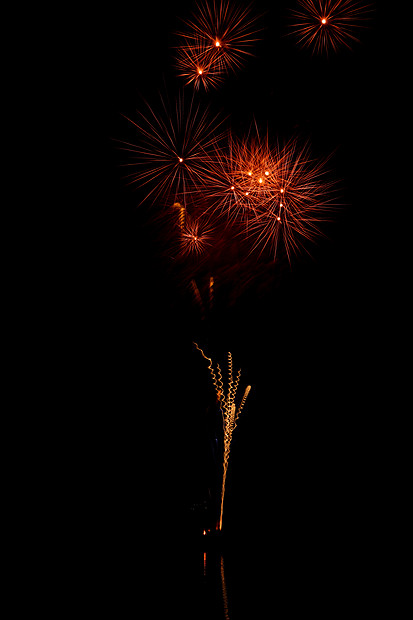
230 412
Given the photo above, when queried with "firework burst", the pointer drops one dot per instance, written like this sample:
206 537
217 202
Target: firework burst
217 40
298 201
241 177
270 193
196 238
173 144
325 25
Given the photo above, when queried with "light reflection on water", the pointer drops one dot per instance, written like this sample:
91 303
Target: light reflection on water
215 584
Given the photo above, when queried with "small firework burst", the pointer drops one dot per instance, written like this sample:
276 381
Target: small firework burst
216 41
325 25
196 65
196 237
173 144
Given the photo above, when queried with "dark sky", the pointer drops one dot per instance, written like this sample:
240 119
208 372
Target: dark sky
307 344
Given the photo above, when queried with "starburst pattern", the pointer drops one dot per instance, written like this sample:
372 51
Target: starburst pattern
270 192
173 145
196 238
298 200
245 187
216 41
324 25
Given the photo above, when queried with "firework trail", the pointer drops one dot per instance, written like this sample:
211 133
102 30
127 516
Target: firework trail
230 412
324 25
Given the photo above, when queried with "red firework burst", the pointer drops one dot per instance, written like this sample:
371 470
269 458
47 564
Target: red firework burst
173 145
324 25
217 40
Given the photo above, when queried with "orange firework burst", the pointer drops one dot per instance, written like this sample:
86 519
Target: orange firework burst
241 177
270 193
196 237
173 146
298 201
324 25
217 40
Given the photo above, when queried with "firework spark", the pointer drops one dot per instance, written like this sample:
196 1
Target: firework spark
325 25
230 412
217 40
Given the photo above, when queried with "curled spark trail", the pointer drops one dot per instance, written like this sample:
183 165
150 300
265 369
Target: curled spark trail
230 412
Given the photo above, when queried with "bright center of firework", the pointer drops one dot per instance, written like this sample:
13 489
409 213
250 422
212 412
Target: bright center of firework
324 21
259 180
282 190
200 71
180 160
250 174
232 187
217 43
266 173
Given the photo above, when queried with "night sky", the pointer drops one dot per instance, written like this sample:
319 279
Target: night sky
308 341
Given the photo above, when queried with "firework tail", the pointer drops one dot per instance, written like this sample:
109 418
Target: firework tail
229 411
230 422
198 297
181 209
211 292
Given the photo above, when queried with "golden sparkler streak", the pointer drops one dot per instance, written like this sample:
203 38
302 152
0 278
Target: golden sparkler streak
230 413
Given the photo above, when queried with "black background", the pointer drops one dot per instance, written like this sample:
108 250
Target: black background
311 456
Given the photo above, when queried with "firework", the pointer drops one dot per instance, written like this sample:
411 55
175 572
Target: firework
230 412
270 193
324 25
247 188
298 201
173 144
216 41
196 238
241 177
